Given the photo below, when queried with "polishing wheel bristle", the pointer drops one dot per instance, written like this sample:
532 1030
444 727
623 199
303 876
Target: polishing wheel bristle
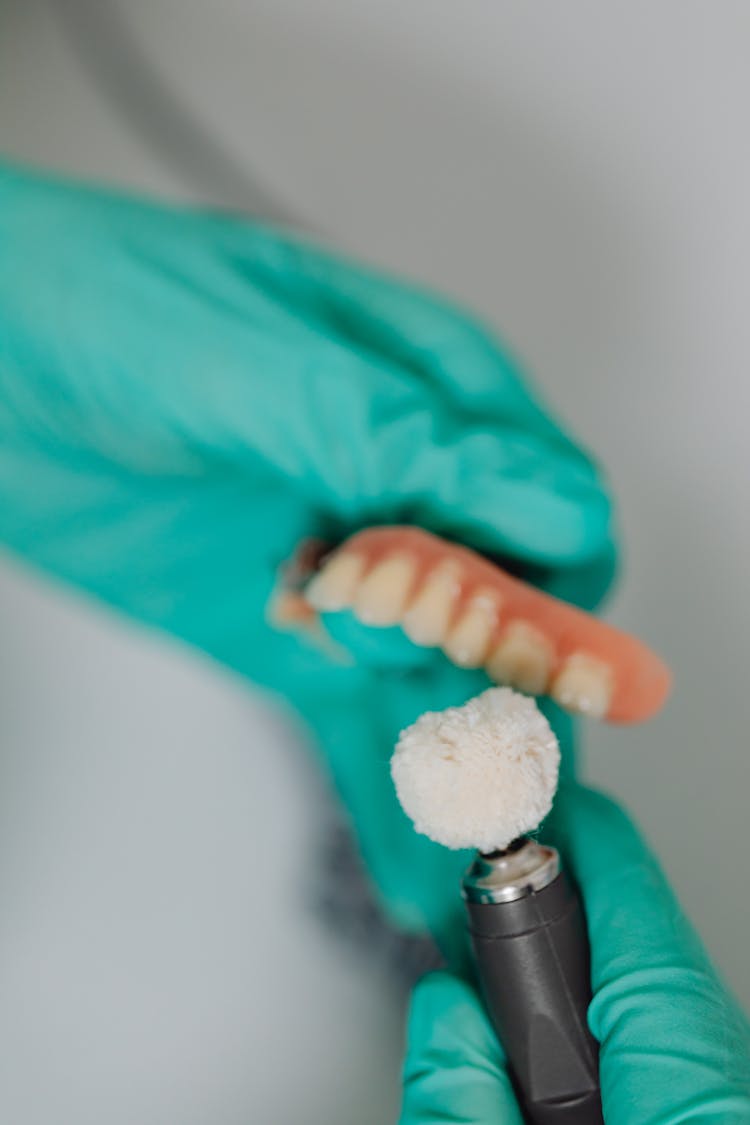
480 775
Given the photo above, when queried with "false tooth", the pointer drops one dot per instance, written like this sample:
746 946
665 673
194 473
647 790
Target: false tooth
428 618
468 640
333 588
288 609
382 595
523 658
584 684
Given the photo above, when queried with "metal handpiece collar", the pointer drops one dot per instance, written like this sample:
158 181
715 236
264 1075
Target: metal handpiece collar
520 870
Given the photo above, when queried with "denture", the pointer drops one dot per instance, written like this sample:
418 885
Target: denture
449 597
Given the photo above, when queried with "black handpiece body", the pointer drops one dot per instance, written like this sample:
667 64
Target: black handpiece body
532 955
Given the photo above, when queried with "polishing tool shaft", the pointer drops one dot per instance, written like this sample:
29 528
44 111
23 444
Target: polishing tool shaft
532 955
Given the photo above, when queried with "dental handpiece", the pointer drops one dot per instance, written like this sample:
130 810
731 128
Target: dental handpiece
482 776
532 956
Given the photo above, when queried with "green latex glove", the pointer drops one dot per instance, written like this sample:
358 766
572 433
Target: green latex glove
674 1046
185 396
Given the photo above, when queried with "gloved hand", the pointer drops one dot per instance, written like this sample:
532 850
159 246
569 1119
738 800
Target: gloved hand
185 396
674 1046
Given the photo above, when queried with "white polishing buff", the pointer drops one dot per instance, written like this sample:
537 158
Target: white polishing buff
480 775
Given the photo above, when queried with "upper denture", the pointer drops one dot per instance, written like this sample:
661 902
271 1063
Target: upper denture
446 595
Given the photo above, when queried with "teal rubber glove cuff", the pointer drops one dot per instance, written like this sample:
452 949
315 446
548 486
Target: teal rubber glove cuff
185 396
674 1045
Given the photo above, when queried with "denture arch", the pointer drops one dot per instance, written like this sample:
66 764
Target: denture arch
448 596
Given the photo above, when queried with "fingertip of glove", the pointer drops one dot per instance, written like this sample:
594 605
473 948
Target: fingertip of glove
438 991
447 1015
583 816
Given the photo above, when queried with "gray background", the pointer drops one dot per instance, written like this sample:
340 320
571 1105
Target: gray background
579 174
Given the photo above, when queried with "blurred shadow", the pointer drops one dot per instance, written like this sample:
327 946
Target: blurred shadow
104 44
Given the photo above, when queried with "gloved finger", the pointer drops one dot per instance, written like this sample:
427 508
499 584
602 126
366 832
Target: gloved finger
454 1070
494 452
213 344
674 1044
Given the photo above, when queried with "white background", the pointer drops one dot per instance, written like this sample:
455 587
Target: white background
578 173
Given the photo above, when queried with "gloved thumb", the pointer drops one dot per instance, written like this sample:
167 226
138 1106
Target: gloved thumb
455 1069
674 1043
